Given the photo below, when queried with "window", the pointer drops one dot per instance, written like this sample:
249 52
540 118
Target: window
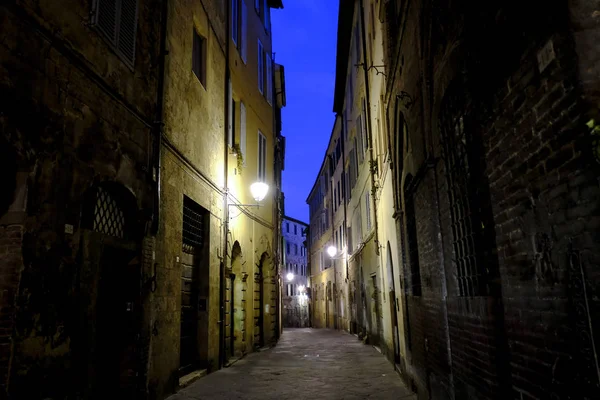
359 140
339 189
413 245
472 226
368 210
262 156
193 226
239 18
287 227
363 127
267 16
243 131
235 18
295 229
295 249
116 20
287 248
199 58
269 78
261 68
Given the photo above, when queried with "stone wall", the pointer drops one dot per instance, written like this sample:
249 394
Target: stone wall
76 117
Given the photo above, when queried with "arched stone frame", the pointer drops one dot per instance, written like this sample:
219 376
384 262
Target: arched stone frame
240 297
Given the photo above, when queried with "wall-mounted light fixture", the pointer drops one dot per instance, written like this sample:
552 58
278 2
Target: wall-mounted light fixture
259 191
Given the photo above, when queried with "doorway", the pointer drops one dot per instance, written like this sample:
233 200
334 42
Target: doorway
193 339
118 321
394 307
259 329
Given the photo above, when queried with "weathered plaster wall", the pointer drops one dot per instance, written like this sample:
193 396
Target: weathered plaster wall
75 115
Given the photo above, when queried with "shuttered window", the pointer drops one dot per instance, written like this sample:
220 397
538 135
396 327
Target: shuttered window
262 157
243 45
261 68
269 78
267 16
235 16
116 20
243 131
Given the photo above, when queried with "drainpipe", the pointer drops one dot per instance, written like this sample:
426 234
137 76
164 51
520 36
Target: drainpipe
159 122
222 355
345 192
369 135
331 185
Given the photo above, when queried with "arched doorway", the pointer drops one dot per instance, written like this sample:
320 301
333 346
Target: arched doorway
110 287
259 302
237 308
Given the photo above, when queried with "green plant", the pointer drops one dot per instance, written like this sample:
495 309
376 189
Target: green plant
595 133
240 158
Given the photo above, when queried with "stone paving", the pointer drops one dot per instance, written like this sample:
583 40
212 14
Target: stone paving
305 364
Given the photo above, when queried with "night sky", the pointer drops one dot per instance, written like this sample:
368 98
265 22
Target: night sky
304 42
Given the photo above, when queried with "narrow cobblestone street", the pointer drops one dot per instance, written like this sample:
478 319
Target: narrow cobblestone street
305 364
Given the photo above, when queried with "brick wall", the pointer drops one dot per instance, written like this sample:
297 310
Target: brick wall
11 261
523 339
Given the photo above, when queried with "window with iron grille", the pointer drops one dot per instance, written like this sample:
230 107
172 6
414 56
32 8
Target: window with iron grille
116 20
193 226
413 244
461 176
109 217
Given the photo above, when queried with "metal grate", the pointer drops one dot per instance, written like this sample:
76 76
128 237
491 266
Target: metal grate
413 244
109 218
466 224
193 226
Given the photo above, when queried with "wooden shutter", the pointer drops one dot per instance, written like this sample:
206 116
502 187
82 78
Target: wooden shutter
243 131
261 68
243 34
229 114
267 16
269 79
105 18
128 29
359 136
234 21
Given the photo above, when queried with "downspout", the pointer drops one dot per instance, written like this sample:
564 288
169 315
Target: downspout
333 295
277 202
369 134
159 122
223 356
346 191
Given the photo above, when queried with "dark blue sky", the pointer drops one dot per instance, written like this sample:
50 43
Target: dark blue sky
304 42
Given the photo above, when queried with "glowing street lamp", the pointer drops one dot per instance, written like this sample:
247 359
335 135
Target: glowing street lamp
331 250
301 288
259 190
290 276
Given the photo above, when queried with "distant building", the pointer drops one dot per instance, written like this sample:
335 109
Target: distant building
295 273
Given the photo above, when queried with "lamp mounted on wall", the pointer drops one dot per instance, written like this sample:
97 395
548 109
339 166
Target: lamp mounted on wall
259 191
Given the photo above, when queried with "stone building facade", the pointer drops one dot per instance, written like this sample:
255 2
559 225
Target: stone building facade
128 214
481 132
295 273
